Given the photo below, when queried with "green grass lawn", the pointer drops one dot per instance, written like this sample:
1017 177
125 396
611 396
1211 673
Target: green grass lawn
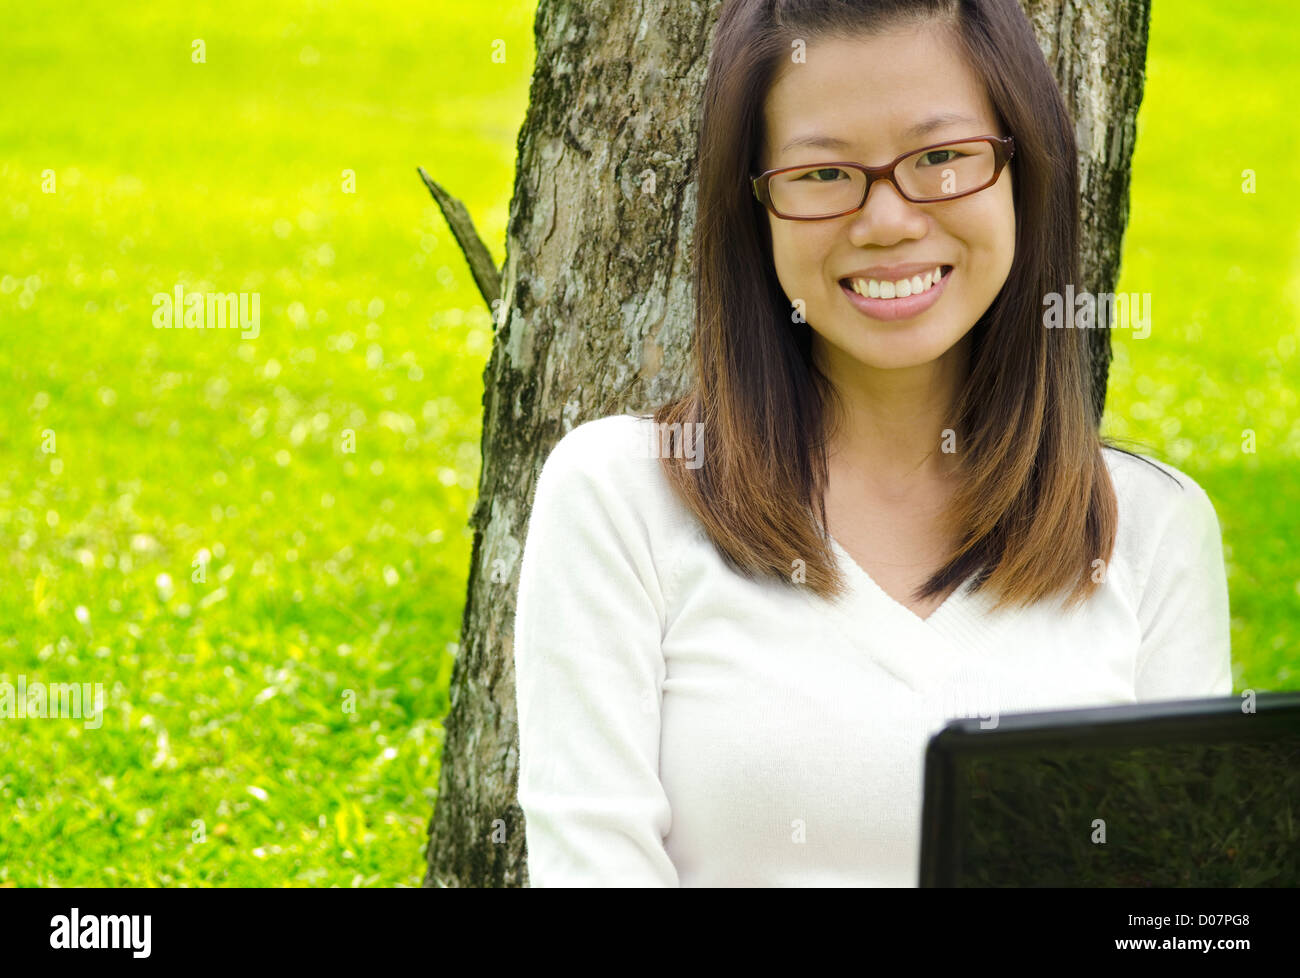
1223 270
278 721
333 579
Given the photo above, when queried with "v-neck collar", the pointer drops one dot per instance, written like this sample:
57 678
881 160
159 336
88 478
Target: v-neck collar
961 624
865 580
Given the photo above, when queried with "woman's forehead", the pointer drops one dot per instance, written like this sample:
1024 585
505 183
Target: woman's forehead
874 72
902 86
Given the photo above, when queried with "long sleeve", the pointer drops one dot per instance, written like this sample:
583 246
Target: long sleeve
1185 650
589 670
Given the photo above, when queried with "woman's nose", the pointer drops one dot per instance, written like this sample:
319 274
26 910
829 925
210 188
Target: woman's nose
886 216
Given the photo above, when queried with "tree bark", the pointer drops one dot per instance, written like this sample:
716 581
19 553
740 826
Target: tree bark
595 314
1098 52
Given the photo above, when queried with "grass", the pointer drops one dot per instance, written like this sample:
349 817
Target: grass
273 618
278 721
1216 377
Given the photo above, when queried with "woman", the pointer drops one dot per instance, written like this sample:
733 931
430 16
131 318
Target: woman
730 651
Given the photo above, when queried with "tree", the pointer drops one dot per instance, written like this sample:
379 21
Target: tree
592 311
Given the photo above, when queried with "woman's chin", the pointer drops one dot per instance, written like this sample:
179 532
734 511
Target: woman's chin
898 349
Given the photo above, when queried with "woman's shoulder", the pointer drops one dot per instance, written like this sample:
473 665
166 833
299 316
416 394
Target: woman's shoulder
1156 501
616 447
1144 478
603 483
618 457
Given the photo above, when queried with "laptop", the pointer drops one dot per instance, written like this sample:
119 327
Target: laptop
1176 793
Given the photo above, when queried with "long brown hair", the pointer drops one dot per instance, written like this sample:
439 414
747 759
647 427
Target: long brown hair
1034 507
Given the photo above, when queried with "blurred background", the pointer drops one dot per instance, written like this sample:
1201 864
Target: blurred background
259 546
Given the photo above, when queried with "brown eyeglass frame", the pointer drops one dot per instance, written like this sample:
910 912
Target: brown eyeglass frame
1003 149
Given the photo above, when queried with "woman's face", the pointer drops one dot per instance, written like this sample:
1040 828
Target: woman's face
868 93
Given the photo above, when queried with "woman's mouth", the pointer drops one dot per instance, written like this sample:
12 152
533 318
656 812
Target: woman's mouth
897 300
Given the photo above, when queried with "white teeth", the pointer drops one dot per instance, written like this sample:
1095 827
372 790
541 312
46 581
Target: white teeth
904 287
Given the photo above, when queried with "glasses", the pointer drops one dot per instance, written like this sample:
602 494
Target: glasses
944 171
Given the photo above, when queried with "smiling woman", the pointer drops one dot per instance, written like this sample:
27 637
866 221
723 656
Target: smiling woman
904 512
897 362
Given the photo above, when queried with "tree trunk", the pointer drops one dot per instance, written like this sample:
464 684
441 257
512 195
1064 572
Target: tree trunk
1098 51
595 314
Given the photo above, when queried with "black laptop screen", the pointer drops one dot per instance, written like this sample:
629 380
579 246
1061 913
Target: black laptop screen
1200 803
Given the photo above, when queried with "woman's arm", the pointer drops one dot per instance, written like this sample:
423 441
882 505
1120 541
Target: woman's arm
588 674
1185 649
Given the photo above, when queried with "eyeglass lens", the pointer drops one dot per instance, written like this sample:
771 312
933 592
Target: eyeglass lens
932 174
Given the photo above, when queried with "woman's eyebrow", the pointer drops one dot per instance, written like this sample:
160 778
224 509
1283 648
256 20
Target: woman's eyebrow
936 122
916 131
822 142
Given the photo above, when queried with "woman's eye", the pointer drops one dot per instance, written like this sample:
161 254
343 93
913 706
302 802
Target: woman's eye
928 157
815 173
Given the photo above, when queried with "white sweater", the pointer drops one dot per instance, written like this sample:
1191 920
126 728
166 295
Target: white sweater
680 725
